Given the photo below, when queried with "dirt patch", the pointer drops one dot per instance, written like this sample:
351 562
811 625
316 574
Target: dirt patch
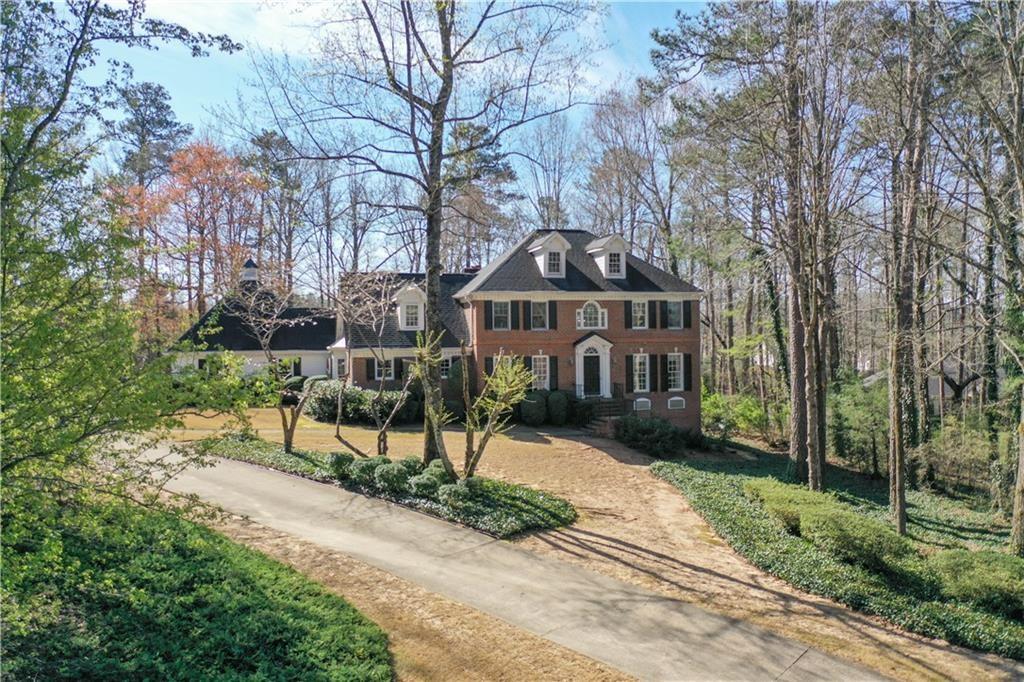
635 527
431 638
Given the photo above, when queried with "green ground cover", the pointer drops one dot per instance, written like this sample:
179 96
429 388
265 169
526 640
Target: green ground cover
945 580
123 593
496 507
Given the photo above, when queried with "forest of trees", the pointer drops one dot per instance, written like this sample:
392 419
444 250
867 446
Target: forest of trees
844 181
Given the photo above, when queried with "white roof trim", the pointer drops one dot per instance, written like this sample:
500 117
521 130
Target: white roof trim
545 242
612 242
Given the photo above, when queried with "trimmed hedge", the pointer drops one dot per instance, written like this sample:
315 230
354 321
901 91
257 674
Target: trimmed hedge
763 539
855 539
558 408
655 436
501 509
358 404
534 408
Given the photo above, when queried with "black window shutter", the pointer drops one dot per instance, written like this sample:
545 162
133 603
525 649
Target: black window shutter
552 315
664 373
652 373
629 374
628 313
488 315
528 362
527 315
371 369
687 314
553 372
514 306
687 372
297 367
398 368
652 314
489 365
663 314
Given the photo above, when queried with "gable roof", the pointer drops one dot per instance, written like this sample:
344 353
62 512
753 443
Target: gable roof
516 270
314 329
453 319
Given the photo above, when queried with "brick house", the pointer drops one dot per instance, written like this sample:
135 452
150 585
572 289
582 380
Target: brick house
586 316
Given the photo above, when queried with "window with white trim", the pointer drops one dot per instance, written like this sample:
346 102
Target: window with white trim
675 314
539 364
554 262
614 263
639 314
445 367
591 316
642 405
640 373
411 315
501 315
341 367
674 371
538 315
384 369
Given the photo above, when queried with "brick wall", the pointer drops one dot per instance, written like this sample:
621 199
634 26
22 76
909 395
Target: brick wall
560 343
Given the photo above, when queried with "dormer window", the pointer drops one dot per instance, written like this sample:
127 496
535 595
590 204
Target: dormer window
554 263
410 302
614 264
610 255
411 315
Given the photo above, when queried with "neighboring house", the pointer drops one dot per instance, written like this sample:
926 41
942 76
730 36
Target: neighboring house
585 315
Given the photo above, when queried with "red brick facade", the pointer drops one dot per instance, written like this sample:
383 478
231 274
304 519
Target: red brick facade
655 342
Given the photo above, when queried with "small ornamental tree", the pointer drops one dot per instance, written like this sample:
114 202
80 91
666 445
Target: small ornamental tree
486 415
264 311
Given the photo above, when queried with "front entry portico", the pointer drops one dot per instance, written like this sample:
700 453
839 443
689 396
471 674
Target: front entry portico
593 367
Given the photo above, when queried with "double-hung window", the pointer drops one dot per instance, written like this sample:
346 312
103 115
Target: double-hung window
446 367
641 382
675 314
385 369
539 315
539 364
674 371
614 263
554 262
639 314
501 315
411 313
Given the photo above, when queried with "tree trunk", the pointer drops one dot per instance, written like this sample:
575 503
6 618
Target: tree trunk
1017 529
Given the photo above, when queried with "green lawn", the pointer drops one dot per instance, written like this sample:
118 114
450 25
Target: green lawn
909 591
122 593
496 507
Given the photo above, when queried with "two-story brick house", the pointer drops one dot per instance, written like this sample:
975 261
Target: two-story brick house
585 315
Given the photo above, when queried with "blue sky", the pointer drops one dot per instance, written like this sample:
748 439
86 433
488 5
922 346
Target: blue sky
199 85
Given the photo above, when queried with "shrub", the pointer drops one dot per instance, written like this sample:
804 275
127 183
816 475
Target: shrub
990 580
854 538
717 417
653 435
785 501
454 495
425 485
581 412
456 409
533 409
294 383
473 483
412 465
558 408
362 470
338 463
359 404
392 478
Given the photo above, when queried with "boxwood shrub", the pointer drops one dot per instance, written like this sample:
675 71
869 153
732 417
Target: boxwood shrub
358 404
425 485
363 471
655 436
760 537
534 408
338 463
855 539
392 479
558 408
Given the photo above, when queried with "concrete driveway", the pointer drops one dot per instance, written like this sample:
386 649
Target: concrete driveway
629 628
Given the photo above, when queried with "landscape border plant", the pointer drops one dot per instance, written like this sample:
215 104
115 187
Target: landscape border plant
753 531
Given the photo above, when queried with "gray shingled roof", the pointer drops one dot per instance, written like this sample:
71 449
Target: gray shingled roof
223 329
452 317
516 270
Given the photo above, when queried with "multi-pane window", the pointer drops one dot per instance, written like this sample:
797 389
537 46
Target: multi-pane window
540 372
539 315
675 371
639 314
640 373
385 369
675 315
500 315
554 262
591 316
411 314
615 263
446 367
341 366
